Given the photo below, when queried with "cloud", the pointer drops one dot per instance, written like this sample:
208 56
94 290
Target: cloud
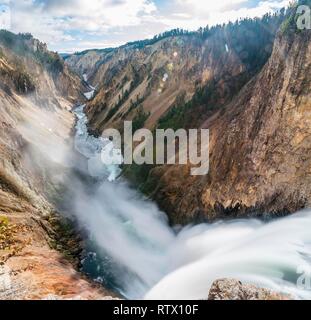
56 21
72 24
102 12
193 14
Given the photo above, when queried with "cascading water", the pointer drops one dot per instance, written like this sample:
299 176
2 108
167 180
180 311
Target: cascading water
139 255
131 231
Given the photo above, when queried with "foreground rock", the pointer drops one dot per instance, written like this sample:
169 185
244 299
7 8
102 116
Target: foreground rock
30 269
230 289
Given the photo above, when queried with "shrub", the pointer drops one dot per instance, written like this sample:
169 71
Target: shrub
23 81
7 234
140 119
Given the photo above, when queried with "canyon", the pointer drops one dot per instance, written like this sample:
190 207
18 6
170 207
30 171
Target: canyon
74 228
253 97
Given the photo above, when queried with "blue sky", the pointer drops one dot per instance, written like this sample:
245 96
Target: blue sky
74 25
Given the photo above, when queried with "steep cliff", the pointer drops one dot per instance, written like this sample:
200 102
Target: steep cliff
259 144
37 92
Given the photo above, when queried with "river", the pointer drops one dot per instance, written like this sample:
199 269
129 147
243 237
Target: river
133 250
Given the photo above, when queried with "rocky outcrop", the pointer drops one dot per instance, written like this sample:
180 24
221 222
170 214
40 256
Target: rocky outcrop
31 270
26 66
230 289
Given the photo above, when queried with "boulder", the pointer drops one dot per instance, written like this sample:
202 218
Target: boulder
231 289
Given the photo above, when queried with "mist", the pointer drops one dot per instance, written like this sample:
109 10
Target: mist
130 246
269 255
164 264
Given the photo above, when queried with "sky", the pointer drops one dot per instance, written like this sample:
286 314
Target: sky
76 25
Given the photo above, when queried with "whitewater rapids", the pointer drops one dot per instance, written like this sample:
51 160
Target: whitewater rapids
271 255
157 262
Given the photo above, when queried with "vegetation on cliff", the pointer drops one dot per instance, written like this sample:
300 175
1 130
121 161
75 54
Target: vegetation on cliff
25 45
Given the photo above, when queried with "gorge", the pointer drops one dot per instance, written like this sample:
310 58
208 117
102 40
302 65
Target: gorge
146 258
247 96
75 228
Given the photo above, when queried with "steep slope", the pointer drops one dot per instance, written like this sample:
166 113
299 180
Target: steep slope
87 62
260 145
141 81
37 92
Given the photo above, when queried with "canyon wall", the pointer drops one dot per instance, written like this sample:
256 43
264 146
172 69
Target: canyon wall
37 251
259 145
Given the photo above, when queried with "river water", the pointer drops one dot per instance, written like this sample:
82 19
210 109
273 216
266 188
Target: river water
134 251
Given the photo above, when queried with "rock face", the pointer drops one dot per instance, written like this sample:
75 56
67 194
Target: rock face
230 289
259 145
87 62
37 92
36 272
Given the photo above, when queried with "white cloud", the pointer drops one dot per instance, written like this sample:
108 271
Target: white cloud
192 14
65 23
101 12
52 20
206 8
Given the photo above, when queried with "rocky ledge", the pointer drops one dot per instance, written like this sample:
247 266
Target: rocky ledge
230 289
